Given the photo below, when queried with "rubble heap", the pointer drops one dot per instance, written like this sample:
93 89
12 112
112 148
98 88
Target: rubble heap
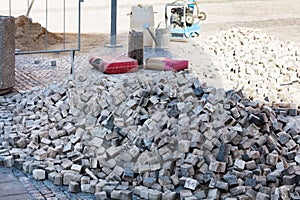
265 67
156 135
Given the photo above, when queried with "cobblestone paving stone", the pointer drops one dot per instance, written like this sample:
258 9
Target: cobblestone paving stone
30 76
36 71
32 72
44 190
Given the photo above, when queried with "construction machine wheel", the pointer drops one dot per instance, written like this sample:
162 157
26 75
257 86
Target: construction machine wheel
189 19
194 34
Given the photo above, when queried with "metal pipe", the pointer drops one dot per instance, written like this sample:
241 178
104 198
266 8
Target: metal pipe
64 24
79 23
9 7
46 24
72 53
45 51
29 8
28 31
113 25
147 26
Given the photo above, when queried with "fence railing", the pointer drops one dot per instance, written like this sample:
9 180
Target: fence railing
15 7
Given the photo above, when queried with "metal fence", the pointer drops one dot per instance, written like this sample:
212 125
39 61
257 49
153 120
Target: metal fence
26 7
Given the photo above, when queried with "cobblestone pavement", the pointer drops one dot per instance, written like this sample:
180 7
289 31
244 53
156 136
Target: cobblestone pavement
15 184
39 71
11 187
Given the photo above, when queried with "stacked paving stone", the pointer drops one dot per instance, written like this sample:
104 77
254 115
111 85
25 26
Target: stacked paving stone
154 135
265 67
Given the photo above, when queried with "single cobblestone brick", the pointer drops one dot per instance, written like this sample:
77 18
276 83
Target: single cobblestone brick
101 195
39 174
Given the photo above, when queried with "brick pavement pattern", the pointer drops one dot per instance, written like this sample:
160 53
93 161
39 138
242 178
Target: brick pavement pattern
15 185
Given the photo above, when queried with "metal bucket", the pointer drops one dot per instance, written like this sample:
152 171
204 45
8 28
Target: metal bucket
162 36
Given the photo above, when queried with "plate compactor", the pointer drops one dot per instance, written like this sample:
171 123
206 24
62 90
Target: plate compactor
183 18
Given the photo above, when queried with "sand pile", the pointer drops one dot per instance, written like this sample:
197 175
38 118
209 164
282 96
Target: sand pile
37 34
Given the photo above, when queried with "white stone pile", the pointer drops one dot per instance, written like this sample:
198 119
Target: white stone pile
155 135
266 68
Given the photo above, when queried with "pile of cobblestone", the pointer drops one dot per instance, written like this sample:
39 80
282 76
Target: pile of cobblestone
265 67
155 135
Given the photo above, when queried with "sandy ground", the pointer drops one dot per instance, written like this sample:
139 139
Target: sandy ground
280 18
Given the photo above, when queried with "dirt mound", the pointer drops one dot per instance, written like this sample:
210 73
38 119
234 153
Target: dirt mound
38 35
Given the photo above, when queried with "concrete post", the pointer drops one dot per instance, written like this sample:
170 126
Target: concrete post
7 54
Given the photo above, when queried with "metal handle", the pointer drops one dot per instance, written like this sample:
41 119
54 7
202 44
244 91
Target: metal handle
29 8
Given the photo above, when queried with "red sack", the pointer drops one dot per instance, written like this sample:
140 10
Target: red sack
166 64
114 64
